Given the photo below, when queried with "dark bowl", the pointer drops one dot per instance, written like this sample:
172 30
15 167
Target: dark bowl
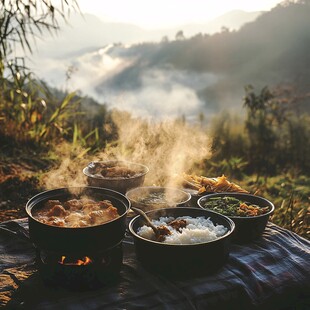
78 239
172 197
182 260
194 196
120 184
247 228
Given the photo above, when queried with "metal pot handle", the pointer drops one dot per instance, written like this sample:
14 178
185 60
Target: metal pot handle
18 230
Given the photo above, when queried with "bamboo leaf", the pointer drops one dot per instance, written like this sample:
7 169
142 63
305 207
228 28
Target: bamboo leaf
12 94
67 100
90 134
54 116
43 132
84 152
75 134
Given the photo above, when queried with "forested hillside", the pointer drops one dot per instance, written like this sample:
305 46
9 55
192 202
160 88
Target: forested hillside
273 50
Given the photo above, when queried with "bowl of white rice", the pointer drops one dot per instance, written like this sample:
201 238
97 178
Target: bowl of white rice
197 241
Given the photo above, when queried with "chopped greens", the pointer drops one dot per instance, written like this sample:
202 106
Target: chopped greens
232 206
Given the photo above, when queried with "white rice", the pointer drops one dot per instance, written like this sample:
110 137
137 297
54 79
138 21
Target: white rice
197 230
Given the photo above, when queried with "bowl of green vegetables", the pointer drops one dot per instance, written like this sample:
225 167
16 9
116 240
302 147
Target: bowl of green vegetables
250 213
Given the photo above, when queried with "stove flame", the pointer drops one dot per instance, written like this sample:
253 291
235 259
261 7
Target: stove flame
75 262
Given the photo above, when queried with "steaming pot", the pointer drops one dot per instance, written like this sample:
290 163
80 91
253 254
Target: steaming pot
81 239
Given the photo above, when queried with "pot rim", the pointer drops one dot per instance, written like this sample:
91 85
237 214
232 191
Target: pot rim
160 188
227 234
145 170
233 194
33 201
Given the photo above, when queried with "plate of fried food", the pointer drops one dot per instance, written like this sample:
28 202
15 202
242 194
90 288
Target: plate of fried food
199 186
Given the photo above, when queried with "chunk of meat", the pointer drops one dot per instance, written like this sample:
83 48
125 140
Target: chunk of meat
57 210
88 207
76 212
117 171
51 203
73 219
73 204
105 203
162 232
178 224
101 216
57 222
112 212
97 217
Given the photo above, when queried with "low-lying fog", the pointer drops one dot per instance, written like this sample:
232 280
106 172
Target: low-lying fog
112 75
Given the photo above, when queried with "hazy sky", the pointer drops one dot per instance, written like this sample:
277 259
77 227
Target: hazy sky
167 13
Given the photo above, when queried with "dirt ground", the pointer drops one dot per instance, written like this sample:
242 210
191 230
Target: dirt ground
18 183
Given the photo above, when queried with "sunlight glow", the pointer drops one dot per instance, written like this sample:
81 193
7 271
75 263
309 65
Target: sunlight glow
168 13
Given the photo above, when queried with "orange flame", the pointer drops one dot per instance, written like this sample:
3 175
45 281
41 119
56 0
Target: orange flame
78 262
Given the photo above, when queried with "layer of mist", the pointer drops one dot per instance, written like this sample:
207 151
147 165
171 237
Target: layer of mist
112 75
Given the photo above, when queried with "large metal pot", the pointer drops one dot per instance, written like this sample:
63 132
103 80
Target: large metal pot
182 260
83 239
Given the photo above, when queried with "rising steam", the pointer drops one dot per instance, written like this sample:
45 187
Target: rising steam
168 148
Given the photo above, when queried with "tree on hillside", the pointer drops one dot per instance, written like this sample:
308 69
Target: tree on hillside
180 35
278 135
165 39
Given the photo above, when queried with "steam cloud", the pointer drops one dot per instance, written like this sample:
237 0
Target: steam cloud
148 134
168 148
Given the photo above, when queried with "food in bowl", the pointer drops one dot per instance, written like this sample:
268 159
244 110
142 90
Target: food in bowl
155 197
161 196
118 175
211 185
77 239
76 212
250 213
185 230
188 259
114 169
232 206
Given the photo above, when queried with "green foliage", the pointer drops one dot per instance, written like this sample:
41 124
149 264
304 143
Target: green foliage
233 166
30 112
228 146
22 20
278 135
259 127
28 108
274 136
290 195
227 134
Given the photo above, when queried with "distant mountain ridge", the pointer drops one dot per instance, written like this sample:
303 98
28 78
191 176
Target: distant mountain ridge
84 31
202 73
232 20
